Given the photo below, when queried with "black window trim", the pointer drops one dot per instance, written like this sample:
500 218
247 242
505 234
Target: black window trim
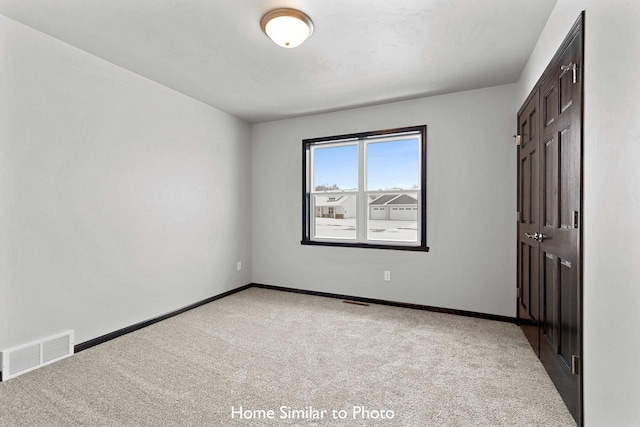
306 197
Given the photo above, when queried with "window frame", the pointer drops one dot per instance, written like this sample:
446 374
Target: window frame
362 139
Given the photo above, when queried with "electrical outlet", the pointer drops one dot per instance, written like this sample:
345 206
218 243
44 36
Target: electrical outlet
239 266
387 276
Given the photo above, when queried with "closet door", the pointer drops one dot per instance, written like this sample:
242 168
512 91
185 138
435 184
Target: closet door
560 185
549 221
529 220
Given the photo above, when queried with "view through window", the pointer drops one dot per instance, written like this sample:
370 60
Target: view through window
366 189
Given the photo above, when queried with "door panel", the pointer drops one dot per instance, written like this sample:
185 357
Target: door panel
550 202
551 155
566 91
525 286
569 195
525 179
568 314
551 324
534 292
550 105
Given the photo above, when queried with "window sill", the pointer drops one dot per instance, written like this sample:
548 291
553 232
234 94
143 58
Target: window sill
367 246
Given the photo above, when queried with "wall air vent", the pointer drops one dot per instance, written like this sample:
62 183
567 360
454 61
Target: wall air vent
27 357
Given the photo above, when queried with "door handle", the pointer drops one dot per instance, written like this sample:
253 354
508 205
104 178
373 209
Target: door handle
538 237
571 67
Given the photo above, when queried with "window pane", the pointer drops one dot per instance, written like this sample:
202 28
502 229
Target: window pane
366 188
335 216
393 165
335 168
393 217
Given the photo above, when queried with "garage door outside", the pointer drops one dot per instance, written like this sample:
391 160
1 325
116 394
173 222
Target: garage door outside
377 212
403 214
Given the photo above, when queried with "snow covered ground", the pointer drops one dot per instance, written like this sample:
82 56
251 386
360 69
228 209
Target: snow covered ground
377 229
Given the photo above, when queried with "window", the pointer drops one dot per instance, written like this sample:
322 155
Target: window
366 190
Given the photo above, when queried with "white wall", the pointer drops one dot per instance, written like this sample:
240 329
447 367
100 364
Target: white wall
611 199
128 200
471 196
5 188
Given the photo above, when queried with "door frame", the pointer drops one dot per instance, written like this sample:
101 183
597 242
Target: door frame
578 29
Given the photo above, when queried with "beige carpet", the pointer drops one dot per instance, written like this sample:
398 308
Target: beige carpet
263 349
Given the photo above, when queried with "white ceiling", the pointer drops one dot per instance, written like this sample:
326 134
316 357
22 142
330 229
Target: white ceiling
362 52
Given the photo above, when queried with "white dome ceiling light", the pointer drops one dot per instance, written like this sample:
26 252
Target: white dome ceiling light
287 27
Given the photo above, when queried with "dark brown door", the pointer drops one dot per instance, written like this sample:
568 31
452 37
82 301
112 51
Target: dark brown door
528 221
560 203
549 206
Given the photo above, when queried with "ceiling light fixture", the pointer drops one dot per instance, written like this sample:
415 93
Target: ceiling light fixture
287 27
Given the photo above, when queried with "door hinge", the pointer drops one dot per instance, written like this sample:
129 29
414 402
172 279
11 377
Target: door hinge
518 139
518 216
575 364
575 219
518 291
